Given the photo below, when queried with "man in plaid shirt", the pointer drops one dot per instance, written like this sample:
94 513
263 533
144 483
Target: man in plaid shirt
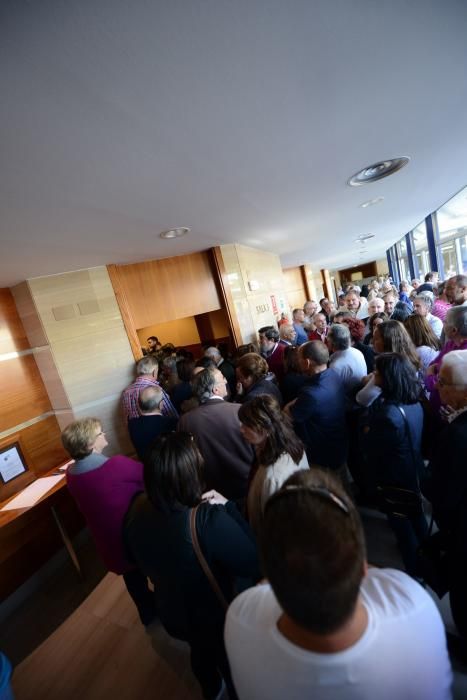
146 371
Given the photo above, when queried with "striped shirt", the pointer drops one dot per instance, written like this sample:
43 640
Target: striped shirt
131 394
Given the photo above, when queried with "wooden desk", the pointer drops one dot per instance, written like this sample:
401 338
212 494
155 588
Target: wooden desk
30 536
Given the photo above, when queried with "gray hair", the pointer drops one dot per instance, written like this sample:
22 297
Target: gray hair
150 398
213 353
456 361
146 365
426 298
457 317
170 363
203 384
339 334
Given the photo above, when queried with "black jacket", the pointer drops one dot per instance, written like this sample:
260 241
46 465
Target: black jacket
160 545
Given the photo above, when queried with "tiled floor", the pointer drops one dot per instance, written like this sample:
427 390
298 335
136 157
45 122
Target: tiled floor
74 639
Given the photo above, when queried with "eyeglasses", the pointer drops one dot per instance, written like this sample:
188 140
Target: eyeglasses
321 491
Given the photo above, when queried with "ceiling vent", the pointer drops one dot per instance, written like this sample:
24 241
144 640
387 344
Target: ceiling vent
175 232
377 171
364 237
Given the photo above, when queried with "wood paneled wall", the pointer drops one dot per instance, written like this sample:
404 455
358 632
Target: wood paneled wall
26 413
164 290
367 270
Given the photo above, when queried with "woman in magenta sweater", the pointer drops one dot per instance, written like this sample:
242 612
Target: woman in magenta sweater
103 489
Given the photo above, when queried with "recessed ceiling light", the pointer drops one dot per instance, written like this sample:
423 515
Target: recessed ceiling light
175 232
377 171
371 202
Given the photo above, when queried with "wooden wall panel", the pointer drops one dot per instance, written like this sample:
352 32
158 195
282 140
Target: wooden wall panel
367 270
27 542
23 394
163 290
183 332
12 333
43 450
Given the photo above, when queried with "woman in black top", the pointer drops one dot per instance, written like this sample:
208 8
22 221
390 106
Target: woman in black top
157 536
391 442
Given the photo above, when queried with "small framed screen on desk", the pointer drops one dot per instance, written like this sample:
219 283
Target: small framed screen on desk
12 462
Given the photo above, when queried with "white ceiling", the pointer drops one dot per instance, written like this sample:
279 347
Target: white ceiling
242 119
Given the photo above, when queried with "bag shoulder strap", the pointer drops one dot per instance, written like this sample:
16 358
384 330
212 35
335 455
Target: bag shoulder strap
203 563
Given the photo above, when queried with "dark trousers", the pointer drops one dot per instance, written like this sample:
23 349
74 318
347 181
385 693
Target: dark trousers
458 594
209 663
137 586
410 533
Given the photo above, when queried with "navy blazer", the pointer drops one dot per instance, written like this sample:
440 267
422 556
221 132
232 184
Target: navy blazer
319 419
392 453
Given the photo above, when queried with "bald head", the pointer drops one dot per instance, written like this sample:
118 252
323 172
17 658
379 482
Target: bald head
150 399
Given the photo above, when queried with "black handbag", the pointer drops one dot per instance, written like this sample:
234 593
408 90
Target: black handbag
404 503
399 501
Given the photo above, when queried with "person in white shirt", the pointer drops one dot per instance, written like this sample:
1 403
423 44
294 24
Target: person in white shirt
422 306
348 362
326 626
356 304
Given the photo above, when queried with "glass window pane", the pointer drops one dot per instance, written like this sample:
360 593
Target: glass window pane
423 262
403 259
452 217
419 237
462 255
448 253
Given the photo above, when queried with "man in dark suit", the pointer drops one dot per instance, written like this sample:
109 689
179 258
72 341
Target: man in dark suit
318 412
228 458
151 423
272 350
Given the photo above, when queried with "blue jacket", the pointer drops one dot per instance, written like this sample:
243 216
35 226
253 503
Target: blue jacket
319 419
392 455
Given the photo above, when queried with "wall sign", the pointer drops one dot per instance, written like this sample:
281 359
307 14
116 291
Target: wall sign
12 462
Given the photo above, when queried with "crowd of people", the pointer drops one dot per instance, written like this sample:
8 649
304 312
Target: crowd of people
253 465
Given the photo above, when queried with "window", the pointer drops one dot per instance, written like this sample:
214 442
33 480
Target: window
452 233
403 259
420 249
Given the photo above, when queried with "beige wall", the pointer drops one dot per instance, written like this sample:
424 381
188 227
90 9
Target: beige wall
257 287
382 266
87 359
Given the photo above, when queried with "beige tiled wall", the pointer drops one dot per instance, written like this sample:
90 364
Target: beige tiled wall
88 361
256 283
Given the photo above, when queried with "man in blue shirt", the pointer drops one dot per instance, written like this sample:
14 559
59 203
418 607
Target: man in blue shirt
298 317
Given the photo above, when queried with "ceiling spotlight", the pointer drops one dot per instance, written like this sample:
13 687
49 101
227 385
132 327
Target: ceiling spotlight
377 171
371 202
175 232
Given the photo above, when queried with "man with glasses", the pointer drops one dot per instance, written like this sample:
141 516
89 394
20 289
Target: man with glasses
326 626
216 429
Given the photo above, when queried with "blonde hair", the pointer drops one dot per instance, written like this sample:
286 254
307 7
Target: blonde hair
78 438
